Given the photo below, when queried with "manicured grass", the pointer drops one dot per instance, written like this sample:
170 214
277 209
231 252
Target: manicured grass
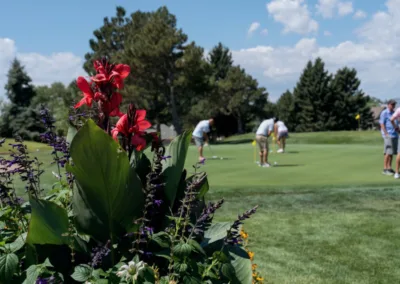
336 137
326 213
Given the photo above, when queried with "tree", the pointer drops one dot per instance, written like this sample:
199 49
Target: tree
109 39
351 101
221 61
154 52
312 98
285 109
18 117
242 96
58 99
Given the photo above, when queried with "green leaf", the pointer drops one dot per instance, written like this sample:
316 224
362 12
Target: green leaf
17 244
108 195
216 233
228 271
71 133
32 273
196 246
142 165
82 273
241 263
161 238
48 223
182 249
173 166
8 266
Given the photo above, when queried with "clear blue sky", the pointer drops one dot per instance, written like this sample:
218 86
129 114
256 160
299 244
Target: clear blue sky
46 27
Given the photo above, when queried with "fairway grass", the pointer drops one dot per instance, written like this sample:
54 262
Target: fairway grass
326 213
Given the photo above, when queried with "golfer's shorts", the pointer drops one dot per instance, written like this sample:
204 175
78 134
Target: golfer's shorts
262 142
390 146
282 134
198 141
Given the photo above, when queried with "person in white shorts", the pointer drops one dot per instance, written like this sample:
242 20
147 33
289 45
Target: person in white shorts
281 133
263 132
200 135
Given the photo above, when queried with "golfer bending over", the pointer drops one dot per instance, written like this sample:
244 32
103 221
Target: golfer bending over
281 133
200 135
263 132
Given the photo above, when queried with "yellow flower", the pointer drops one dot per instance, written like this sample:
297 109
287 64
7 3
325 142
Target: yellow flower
243 234
251 255
254 266
260 279
254 275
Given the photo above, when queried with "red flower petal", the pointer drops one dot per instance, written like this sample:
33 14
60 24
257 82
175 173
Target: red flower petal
116 112
122 125
83 85
80 103
143 125
114 134
139 142
99 78
140 114
123 70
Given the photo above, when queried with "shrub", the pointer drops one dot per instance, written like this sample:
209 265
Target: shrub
114 216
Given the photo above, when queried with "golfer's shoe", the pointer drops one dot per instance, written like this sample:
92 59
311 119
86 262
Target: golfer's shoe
396 176
387 172
266 165
280 151
391 171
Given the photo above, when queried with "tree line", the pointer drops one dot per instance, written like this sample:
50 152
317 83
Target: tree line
178 84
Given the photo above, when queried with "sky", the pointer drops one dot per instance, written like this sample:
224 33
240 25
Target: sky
272 40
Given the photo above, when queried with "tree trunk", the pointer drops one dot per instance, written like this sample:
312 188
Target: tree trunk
240 123
175 117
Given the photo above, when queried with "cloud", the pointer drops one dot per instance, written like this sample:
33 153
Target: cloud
264 32
359 14
326 8
374 52
253 27
345 8
327 33
293 15
43 69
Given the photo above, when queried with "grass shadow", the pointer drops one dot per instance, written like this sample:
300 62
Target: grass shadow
292 152
234 142
288 165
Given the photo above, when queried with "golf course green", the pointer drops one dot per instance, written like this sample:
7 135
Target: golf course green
326 213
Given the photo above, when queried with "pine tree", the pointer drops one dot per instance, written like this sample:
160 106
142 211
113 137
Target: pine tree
19 117
221 61
352 101
303 105
312 98
285 109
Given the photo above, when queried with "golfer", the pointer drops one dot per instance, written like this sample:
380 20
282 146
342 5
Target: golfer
200 135
390 137
395 124
281 133
263 132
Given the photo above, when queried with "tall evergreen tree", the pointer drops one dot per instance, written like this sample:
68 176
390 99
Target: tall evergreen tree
351 101
285 109
19 117
221 61
312 98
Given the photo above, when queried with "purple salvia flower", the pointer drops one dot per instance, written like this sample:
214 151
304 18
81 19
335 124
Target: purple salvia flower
233 235
98 253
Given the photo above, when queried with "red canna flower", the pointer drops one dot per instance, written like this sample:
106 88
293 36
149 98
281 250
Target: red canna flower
88 95
114 74
111 107
136 126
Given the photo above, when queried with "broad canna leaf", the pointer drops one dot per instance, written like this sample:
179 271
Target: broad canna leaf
71 133
48 223
241 264
108 195
173 166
